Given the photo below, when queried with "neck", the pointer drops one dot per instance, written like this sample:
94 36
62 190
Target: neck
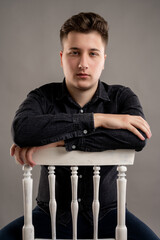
82 97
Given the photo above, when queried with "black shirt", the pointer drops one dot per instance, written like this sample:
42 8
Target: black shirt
49 114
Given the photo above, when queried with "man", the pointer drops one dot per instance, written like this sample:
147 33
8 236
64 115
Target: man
81 113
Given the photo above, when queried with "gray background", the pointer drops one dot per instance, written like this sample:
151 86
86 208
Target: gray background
29 57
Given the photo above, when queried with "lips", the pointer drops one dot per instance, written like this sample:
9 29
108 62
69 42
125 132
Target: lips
83 75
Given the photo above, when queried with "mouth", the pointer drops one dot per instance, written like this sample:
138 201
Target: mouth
82 75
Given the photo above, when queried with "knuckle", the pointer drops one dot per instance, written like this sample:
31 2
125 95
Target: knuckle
140 118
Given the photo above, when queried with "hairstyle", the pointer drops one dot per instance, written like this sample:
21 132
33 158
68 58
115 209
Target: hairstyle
85 23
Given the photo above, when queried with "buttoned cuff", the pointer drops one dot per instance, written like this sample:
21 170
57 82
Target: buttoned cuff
83 123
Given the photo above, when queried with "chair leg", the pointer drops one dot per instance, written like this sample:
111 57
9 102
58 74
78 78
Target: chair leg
121 229
28 229
95 204
52 202
74 203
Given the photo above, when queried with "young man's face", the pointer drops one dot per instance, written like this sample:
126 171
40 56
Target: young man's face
82 60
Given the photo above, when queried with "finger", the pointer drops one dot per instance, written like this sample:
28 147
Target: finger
29 154
144 123
146 131
136 132
12 149
17 155
61 143
23 155
143 129
141 124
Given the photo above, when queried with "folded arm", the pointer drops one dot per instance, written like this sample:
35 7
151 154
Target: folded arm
38 122
36 125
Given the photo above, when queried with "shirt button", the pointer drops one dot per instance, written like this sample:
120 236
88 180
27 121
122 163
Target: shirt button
81 111
85 131
73 146
80 176
79 199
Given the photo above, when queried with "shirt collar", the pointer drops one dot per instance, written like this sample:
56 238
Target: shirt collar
63 91
101 92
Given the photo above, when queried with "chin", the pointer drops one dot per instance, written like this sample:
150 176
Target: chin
84 84
84 87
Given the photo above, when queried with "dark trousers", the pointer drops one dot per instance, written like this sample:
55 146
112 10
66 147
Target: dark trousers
137 230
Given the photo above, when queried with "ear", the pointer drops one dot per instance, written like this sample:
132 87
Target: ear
105 56
61 53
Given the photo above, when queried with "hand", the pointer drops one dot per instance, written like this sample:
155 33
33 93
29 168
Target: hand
129 122
24 155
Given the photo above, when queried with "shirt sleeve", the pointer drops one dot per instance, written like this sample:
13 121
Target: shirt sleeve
32 126
108 139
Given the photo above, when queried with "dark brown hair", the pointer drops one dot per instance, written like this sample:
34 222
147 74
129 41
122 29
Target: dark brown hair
85 23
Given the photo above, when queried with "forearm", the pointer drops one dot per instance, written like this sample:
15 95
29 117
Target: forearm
38 130
109 139
114 131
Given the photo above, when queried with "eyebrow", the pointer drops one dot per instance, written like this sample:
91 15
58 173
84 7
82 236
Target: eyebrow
92 49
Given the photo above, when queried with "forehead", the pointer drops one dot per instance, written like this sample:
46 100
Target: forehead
83 40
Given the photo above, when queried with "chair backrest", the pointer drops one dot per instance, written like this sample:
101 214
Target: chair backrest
59 157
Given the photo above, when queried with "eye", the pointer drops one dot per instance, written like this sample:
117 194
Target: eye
74 53
93 54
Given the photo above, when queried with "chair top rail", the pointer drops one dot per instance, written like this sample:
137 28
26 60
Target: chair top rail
60 157
77 239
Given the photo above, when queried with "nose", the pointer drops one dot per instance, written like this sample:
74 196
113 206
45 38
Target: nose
83 62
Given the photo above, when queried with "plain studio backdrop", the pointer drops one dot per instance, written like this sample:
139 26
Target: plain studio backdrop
29 57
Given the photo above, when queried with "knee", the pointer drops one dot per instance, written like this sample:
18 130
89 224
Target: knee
11 232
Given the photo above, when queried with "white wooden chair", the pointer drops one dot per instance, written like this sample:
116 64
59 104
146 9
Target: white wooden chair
59 157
